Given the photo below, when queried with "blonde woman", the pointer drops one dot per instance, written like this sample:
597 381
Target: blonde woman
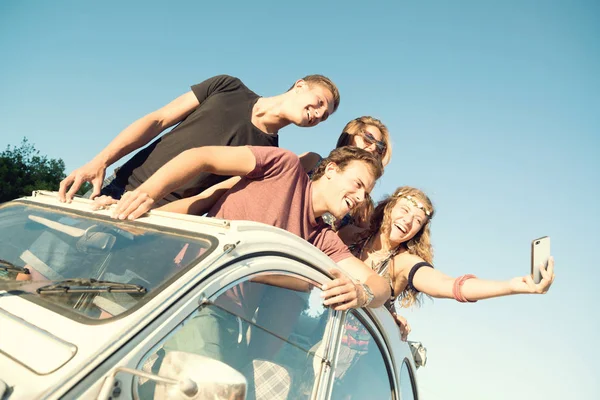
397 245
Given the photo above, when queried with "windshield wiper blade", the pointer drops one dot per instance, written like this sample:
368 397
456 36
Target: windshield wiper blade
10 267
90 285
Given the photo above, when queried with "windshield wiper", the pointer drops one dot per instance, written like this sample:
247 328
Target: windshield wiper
10 267
90 285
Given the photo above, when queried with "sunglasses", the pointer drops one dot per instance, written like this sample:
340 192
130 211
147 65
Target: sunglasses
380 145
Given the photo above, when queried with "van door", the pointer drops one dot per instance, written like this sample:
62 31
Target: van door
262 316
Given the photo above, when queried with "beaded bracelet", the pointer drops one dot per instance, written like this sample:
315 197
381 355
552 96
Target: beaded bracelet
457 289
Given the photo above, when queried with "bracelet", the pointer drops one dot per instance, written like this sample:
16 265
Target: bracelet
457 289
367 294
362 296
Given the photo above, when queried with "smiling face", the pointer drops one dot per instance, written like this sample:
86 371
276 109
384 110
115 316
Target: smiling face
308 104
407 219
347 188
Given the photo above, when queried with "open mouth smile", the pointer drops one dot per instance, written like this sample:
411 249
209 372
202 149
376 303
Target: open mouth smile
351 204
402 228
308 117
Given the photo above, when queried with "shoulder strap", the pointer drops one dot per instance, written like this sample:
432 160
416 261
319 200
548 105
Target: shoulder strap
412 273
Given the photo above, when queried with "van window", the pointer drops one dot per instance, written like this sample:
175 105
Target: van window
360 372
268 327
65 252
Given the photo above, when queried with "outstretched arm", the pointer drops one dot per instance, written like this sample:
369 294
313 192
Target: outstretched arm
131 138
437 284
220 160
202 202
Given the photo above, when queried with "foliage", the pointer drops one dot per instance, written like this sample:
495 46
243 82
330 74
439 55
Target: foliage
23 170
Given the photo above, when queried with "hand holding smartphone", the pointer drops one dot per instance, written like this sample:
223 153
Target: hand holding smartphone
540 253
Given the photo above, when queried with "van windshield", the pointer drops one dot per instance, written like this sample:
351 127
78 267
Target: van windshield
90 266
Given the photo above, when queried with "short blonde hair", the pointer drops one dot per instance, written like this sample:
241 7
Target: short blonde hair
326 83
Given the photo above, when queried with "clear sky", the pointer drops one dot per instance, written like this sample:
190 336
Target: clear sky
494 110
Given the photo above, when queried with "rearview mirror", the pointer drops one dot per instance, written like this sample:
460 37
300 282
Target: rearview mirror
93 241
187 376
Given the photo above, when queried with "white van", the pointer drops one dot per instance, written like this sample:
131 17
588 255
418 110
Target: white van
179 306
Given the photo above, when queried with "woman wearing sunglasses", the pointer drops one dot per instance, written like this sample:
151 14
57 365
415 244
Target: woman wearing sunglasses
369 134
366 132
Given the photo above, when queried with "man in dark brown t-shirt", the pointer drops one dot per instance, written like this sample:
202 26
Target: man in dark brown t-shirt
275 190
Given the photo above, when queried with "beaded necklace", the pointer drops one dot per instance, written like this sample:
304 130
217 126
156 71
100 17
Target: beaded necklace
380 267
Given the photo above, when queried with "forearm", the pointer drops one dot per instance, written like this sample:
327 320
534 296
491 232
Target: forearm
472 289
203 202
182 206
479 289
131 138
175 173
380 288
378 285
221 160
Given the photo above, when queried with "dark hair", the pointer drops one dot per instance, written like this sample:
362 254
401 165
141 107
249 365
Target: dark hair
342 156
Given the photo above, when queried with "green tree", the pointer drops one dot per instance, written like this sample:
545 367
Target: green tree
23 170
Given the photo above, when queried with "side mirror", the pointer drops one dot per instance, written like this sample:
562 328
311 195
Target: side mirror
419 353
187 376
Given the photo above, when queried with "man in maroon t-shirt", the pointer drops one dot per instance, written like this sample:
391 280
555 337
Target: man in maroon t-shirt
275 190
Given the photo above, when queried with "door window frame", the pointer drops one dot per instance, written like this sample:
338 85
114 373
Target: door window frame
369 320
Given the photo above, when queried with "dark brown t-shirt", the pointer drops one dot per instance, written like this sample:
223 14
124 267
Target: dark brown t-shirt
278 193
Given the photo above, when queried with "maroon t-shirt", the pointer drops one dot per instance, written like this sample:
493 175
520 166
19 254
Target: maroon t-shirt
278 192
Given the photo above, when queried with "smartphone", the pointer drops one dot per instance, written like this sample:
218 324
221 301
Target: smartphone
540 253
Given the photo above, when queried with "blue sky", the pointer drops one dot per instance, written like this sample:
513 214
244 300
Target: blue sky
494 109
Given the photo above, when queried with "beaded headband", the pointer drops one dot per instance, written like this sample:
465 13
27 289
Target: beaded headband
414 202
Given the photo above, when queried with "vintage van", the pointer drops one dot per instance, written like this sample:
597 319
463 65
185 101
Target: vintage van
179 306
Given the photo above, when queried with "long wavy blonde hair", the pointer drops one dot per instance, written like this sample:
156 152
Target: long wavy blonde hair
419 245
